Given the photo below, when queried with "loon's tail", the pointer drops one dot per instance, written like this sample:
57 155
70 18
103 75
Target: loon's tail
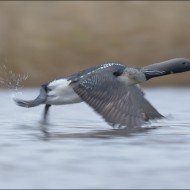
41 99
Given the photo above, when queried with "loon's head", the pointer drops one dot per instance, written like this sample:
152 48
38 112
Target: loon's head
172 66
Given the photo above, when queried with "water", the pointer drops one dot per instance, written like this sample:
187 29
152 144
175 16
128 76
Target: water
84 152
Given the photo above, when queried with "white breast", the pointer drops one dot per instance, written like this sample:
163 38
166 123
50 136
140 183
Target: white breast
61 93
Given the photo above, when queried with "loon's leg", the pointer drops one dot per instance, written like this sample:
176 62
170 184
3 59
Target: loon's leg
45 115
44 119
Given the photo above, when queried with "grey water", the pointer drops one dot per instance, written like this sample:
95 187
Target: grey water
85 152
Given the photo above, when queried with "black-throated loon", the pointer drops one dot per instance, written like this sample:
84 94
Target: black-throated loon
110 89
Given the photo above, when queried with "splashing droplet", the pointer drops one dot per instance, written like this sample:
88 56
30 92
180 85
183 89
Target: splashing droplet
11 80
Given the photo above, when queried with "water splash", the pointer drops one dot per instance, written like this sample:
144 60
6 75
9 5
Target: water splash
11 80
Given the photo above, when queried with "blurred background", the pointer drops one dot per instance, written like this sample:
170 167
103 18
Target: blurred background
51 39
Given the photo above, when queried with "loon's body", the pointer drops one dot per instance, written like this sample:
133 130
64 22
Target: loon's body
110 89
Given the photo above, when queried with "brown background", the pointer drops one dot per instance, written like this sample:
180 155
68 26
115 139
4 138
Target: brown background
50 39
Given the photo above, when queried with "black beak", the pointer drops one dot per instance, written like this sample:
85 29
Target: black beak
171 66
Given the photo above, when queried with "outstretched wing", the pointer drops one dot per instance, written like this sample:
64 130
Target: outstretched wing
118 103
144 105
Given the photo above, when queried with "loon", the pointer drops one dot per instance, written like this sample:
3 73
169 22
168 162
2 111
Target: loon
111 89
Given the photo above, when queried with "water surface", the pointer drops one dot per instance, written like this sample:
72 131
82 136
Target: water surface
84 152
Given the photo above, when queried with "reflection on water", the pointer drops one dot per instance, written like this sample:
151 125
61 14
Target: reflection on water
82 151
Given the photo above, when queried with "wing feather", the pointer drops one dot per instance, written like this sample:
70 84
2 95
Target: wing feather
116 102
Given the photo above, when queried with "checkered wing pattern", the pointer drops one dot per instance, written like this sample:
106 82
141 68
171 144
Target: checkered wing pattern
117 103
